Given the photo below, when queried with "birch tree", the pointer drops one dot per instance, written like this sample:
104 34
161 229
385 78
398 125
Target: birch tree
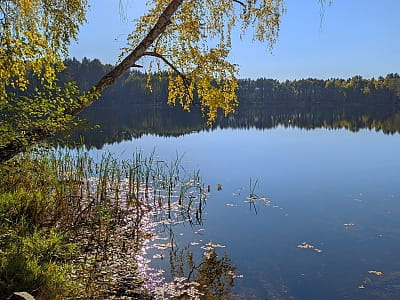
190 39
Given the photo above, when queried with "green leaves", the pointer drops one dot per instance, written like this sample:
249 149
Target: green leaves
34 38
47 108
191 38
196 46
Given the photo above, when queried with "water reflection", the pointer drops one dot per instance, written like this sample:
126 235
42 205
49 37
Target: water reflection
154 200
122 212
206 276
327 228
125 123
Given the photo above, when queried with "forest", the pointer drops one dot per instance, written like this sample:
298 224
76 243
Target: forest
169 217
133 88
129 109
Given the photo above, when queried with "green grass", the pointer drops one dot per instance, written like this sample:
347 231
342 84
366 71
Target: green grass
63 218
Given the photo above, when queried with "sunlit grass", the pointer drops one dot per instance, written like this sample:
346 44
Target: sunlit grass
68 222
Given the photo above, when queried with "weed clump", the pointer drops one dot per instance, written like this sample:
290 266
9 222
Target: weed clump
72 226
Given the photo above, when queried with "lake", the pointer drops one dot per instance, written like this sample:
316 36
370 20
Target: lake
298 213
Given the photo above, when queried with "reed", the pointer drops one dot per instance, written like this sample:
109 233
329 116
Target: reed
90 217
252 197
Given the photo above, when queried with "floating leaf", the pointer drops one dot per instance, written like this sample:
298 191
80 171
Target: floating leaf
305 245
377 273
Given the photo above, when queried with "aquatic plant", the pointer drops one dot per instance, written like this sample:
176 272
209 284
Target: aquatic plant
75 225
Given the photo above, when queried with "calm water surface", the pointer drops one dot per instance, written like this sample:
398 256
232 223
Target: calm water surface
335 190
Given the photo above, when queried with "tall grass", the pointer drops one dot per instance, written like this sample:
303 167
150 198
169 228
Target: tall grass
71 225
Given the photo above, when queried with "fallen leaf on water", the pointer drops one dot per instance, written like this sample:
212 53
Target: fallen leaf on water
215 245
377 273
305 245
180 279
163 246
207 248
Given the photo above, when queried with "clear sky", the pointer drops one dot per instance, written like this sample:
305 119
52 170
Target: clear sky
356 37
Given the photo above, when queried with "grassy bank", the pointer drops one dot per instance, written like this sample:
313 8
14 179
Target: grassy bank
73 227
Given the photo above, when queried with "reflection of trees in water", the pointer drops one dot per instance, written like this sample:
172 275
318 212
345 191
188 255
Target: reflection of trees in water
209 277
351 117
119 123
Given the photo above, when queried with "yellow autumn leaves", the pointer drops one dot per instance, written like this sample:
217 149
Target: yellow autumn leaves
34 38
306 245
198 43
34 35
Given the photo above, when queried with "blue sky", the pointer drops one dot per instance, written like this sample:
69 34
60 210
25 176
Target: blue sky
356 37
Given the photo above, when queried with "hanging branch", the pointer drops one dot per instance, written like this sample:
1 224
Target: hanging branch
158 29
186 81
14 147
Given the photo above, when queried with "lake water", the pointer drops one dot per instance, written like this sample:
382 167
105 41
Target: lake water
325 224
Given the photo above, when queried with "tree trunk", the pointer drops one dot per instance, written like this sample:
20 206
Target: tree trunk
163 21
13 148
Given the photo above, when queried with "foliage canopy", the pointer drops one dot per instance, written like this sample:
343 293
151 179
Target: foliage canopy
196 45
192 38
34 38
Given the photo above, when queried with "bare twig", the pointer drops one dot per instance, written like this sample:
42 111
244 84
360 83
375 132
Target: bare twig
167 62
186 81
136 66
240 2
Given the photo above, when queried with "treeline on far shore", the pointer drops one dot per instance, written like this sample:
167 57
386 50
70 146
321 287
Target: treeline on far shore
132 88
128 109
